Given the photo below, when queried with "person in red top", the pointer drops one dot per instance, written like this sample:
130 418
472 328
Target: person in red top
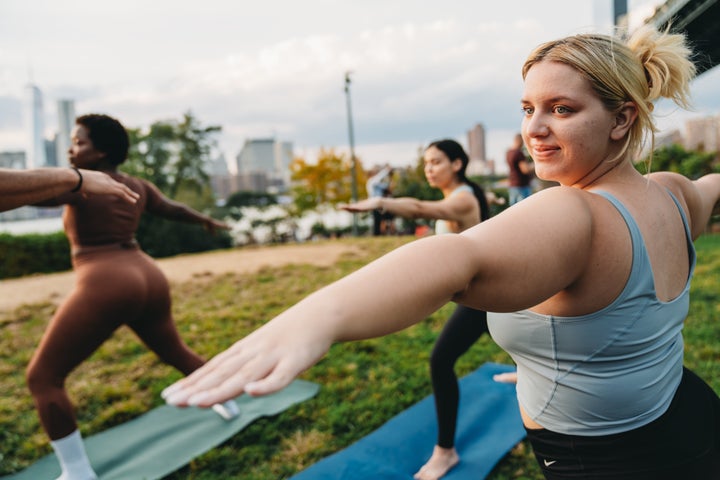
116 284
520 172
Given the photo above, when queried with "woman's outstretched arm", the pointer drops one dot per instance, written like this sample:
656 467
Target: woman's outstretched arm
535 242
28 187
159 204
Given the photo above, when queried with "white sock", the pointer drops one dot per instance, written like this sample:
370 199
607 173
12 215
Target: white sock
227 410
74 462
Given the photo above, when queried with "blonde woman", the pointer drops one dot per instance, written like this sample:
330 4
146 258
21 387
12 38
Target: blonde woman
590 280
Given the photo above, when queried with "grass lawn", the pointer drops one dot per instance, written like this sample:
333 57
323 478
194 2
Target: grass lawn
363 383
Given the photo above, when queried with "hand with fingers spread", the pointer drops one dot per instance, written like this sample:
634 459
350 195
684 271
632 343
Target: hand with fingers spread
369 204
100 183
212 225
261 363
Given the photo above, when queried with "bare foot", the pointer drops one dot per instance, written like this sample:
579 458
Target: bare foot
441 461
509 377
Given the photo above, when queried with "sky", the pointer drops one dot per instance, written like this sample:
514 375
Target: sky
420 70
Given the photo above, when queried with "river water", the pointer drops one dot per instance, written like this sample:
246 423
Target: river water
329 217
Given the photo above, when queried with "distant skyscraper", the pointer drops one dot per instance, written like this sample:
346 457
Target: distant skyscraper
51 159
222 183
476 150
66 121
264 165
12 159
703 133
283 158
35 127
674 137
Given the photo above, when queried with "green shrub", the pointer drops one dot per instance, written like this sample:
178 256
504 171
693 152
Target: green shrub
33 253
46 253
160 238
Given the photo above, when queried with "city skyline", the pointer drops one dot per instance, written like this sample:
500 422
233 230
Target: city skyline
276 69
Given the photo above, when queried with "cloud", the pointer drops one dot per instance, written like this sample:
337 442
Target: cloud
417 74
407 80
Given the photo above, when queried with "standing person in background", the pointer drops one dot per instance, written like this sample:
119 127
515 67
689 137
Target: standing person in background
25 187
520 172
464 205
587 283
116 284
378 186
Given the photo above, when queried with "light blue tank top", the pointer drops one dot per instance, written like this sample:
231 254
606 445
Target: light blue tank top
443 226
608 372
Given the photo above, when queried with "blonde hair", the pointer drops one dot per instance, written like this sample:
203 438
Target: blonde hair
642 69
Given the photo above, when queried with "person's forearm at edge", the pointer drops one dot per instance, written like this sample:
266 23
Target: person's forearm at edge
34 186
25 187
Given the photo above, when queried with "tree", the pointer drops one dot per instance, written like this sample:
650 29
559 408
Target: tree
150 154
675 158
251 199
196 145
328 181
172 154
240 200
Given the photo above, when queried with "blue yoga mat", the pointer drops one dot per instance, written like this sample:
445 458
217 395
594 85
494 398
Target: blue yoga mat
489 426
159 442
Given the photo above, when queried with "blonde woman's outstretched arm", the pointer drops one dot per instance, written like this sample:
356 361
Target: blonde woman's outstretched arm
533 241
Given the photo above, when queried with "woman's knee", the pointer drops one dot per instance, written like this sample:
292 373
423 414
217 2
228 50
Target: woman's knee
41 377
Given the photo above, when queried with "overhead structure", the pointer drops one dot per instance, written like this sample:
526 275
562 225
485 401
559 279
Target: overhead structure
700 21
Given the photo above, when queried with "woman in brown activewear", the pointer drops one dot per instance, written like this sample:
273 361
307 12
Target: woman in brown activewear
116 284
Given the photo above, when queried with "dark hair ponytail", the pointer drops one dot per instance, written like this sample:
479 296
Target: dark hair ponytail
454 151
481 198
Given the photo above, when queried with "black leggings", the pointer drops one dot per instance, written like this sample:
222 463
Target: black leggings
463 329
684 443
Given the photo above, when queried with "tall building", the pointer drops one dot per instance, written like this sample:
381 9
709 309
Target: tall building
263 165
66 121
669 139
703 134
222 183
478 164
35 127
51 159
12 159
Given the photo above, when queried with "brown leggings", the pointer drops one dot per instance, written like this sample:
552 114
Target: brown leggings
114 286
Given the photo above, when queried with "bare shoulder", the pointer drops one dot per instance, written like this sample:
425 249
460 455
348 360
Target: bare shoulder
463 199
533 249
673 181
549 213
680 186
559 200
698 197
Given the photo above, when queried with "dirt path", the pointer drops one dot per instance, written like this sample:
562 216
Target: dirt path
54 287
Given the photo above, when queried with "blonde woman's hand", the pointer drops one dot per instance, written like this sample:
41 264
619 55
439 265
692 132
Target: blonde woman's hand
264 362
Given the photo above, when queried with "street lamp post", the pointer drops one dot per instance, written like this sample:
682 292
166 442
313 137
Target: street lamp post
353 168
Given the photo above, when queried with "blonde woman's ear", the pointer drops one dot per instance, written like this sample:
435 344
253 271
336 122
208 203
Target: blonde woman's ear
624 120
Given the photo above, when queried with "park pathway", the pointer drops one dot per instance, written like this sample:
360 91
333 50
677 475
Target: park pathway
54 287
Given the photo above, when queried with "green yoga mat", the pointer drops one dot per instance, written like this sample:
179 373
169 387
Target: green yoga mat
166 438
